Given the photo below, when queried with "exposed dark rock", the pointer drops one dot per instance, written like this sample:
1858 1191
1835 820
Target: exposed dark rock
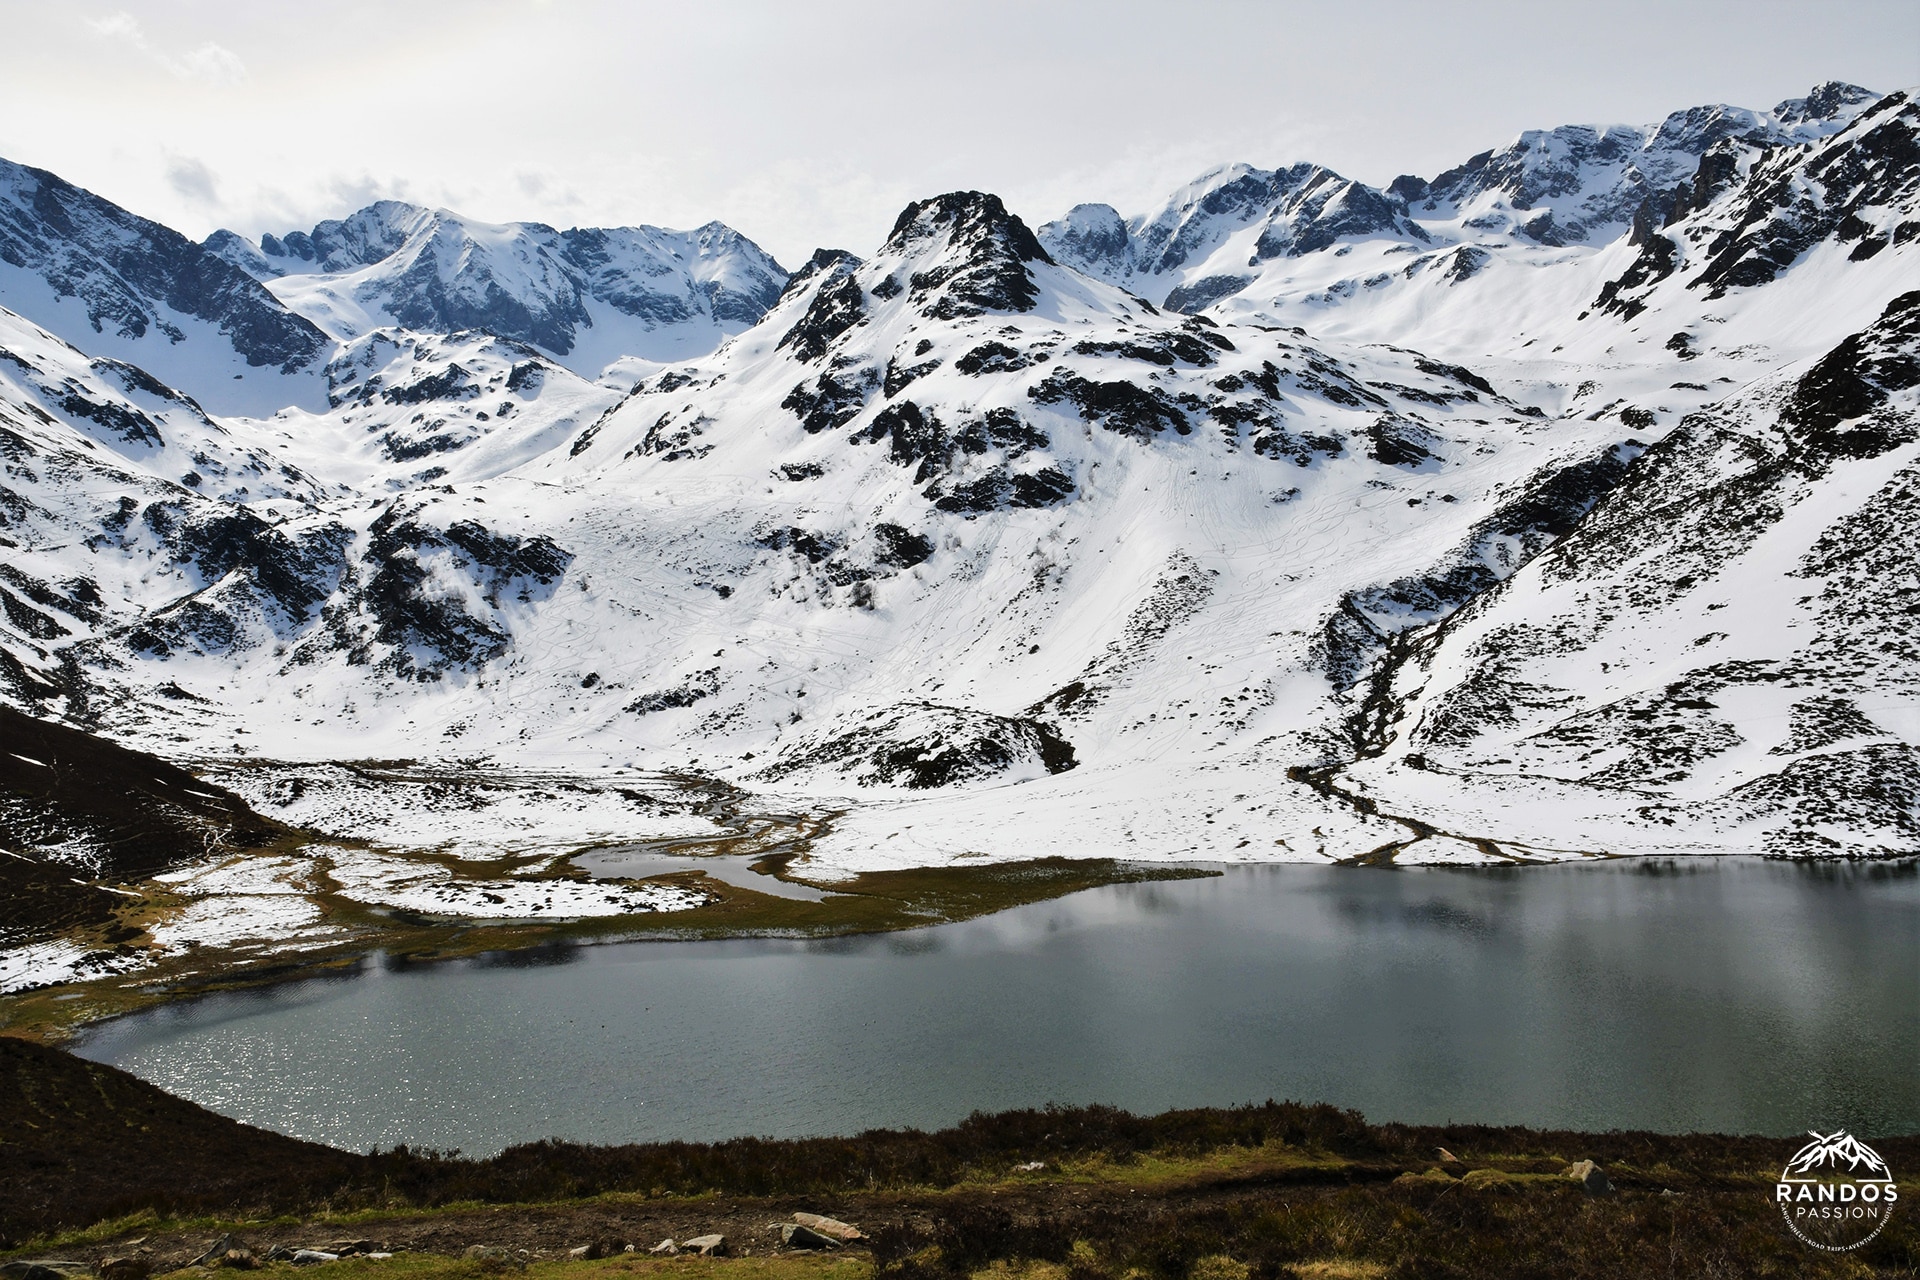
673 436
983 265
992 357
451 383
701 685
1790 202
1163 349
898 376
1320 207
924 745
1853 380
899 548
1203 293
1656 262
832 401
836 307
1122 407
1457 373
917 439
1549 507
815 547
1001 488
999 428
823 262
429 631
1400 443
1465 263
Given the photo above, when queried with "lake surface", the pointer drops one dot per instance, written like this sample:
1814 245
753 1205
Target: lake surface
1731 996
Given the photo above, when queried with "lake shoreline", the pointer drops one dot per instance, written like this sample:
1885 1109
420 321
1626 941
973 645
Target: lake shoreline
876 902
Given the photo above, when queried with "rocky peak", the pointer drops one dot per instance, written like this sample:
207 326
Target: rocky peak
1298 210
1835 100
822 263
1092 237
972 220
967 254
1205 211
1323 207
361 239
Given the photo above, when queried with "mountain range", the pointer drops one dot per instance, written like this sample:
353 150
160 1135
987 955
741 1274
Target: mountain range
1557 506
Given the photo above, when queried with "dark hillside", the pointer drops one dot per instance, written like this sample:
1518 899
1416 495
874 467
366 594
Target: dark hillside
75 808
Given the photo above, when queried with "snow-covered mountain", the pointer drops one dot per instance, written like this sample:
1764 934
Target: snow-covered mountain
1233 229
1549 508
123 287
586 297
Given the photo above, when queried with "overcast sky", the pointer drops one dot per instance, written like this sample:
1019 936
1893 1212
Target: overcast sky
804 124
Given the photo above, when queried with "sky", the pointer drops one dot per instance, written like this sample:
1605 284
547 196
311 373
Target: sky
805 124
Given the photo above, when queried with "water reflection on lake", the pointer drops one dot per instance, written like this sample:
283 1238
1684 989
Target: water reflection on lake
1733 996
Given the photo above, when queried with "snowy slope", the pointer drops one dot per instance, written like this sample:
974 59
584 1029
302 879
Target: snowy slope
1722 657
585 296
131 519
972 548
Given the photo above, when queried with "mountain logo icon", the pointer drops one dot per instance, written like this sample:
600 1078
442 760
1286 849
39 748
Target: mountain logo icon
1836 1193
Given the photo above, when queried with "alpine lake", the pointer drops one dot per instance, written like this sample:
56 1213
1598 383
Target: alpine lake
1738 996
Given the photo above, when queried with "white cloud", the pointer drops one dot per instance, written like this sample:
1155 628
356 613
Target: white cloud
209 64
192 179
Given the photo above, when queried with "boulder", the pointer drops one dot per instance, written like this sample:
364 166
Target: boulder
312 1257
1591 1176
666 1248
712 1246
240 1260
347 1248
217 1250
795 1236
826 1226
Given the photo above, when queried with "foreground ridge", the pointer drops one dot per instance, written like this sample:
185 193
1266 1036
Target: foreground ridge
1275 1186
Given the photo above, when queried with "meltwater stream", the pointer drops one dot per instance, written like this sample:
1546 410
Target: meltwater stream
1730 996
